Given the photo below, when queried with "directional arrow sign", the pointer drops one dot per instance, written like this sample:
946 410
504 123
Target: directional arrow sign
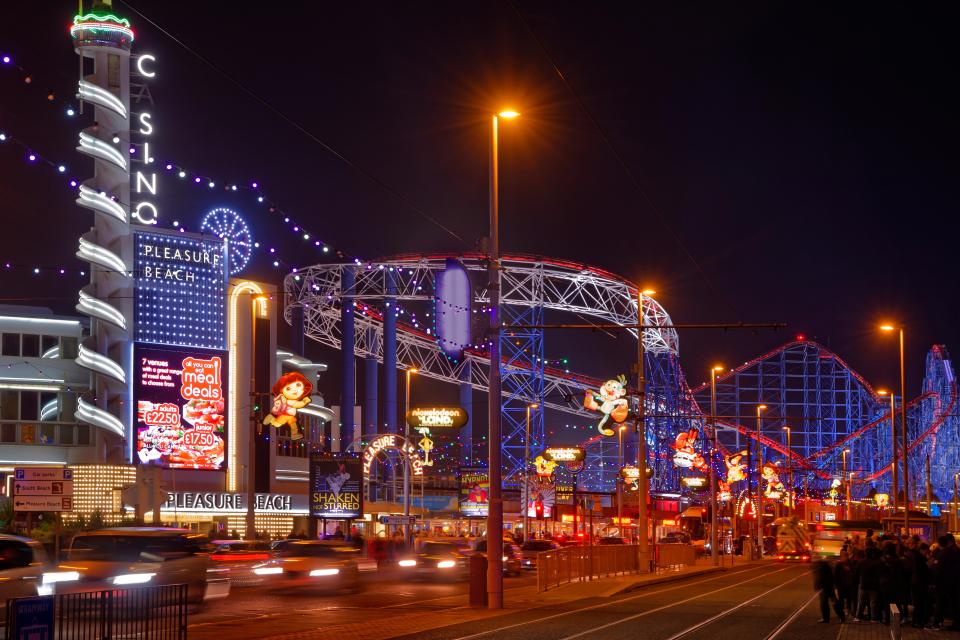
43 487
42 503
42 473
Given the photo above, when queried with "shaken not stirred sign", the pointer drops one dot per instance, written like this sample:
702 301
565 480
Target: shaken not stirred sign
336 486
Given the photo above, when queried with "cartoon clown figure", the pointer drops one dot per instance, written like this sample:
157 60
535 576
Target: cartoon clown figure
611 401
686 456
291 392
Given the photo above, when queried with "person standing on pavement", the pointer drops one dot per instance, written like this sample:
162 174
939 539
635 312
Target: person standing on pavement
869 588
843 580
823 582
920 584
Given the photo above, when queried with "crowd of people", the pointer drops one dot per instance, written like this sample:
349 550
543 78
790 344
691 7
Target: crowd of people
877 571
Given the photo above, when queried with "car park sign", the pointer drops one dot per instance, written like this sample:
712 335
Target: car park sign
42 489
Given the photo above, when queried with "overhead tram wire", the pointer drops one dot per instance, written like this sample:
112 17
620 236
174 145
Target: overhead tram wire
299 127
623 164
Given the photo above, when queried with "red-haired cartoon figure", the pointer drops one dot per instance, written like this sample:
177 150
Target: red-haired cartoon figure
686 456
736 470
291 392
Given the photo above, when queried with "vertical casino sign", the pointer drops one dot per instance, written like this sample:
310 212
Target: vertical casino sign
180 358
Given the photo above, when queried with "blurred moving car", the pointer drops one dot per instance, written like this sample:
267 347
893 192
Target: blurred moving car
675 537
327 565
612 540
512 557
439 559
125 557
22 564
531 548
238 558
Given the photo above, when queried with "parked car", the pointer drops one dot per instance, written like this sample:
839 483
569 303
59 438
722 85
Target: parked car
436 559
675 537
612 540
23 562
531 548
512 557
326 565
125 557
238 558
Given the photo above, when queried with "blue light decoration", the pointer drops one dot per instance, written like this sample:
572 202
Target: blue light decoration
453 314
181 290
227 225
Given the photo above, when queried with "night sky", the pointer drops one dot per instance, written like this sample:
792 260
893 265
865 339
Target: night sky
767 162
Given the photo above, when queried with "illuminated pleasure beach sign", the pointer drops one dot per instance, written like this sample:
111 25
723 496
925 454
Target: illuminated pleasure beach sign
437 417
395 442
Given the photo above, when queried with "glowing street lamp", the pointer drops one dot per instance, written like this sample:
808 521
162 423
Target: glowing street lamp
893 448
495 512
714 552
790 490
760 407
643 544
526 474
903 429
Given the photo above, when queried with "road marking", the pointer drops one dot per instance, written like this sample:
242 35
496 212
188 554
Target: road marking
722 614
610 604
667 606
776 632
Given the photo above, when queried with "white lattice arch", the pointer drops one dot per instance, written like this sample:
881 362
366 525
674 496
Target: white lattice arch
569 287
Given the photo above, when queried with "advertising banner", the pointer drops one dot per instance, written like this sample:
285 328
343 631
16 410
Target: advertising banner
180 396
336 486
474 492
539 495
181 289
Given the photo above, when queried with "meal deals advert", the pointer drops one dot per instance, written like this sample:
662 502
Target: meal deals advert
181 407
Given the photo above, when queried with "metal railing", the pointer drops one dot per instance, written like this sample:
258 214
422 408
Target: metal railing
574 564
147 613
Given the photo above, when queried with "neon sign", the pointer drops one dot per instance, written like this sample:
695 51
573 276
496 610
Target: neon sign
564 454
395 442
437 417
144 190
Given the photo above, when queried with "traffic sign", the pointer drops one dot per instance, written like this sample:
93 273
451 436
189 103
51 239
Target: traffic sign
398 520
42 473
43 487
43 503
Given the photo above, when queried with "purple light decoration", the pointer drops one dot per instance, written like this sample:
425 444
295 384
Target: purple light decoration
453 309
169 167
6 59
32 157
197 179
73 183
255 185
133 150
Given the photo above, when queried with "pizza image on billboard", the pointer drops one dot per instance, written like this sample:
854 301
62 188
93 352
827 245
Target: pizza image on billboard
181 409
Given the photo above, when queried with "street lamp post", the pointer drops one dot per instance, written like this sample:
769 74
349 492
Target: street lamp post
495 509
790 492
849 505
847 509
526 475
760 407
893 448
643 542
956 517
903 432
406 434
714 552
620 431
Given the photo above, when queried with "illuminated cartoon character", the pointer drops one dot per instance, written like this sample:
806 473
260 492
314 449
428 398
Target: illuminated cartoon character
723 492
774 488
736 470
544 467
291 392
882 500
611 401
686 456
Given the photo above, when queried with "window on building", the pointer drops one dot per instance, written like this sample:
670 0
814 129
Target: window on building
8 432
83 434
9 405
48 434
30 346
68 348
49 342
11 344
68 404
49 407
29 405
67 434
